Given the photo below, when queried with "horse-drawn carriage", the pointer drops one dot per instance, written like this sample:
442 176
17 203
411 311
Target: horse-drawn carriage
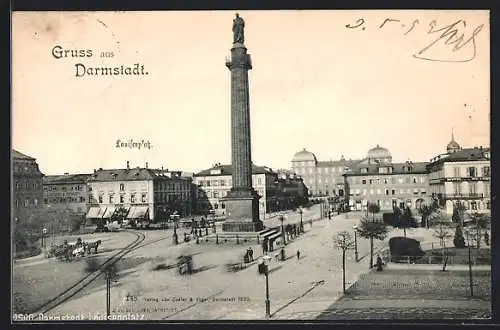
69 251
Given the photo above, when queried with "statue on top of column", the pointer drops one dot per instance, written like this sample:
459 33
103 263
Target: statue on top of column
238 27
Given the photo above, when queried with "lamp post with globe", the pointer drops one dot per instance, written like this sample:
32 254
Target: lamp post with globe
356 256
301 211
266 260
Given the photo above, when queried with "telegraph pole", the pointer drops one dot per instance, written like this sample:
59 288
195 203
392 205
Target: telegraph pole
108 292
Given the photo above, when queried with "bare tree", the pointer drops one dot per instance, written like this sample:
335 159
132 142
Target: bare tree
443 233
469 236
344 241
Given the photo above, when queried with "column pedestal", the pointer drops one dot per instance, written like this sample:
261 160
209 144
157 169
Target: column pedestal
242 211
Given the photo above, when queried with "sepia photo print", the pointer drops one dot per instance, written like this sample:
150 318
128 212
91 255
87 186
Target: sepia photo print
250 165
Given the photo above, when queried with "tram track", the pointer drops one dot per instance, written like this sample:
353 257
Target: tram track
88 279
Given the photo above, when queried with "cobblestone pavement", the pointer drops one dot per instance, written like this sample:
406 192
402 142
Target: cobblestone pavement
404 313
413 294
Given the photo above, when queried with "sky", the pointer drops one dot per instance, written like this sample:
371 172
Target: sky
316 84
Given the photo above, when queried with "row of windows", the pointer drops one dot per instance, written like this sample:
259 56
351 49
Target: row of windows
387 192
327 192
162 185
63 188
393 180
27 202
472 188
64 200
472 171
26 168
216 183
28 184
121 198
473 205
320 170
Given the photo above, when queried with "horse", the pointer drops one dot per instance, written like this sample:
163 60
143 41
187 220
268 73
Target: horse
93 245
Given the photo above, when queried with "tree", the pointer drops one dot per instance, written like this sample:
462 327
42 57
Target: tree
344 241
397 214
27 230
459 240
405 220
458 216
371 230
479 221
427 212
443 233
373 209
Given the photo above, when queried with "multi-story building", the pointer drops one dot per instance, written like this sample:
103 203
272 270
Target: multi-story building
277 192
146 194
461 175
322 178
291 191
376 179
67 192
27 185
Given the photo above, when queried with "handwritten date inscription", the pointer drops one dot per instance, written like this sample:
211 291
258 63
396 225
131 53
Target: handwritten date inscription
450 36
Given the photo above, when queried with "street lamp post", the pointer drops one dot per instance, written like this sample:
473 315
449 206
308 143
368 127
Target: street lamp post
266 273
282 218
44 243
356 256
301 211
175 238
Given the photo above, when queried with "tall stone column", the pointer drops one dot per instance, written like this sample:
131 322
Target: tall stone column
242 201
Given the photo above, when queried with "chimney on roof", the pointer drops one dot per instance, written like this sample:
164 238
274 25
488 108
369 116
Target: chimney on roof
95 170
162 167
146 164
128 165
66 173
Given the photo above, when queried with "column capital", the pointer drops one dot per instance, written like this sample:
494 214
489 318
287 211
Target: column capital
243 61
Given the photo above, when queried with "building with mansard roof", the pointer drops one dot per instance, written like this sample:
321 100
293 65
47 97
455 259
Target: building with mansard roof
377 180
278 190
66 192
145 194
27 191
461 175
322 178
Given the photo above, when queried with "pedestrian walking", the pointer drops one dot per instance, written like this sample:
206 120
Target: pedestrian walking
379 264
298 254
250 253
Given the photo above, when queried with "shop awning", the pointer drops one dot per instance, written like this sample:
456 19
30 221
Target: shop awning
131 212
109 212
93 212
102 210
137 212
141 211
